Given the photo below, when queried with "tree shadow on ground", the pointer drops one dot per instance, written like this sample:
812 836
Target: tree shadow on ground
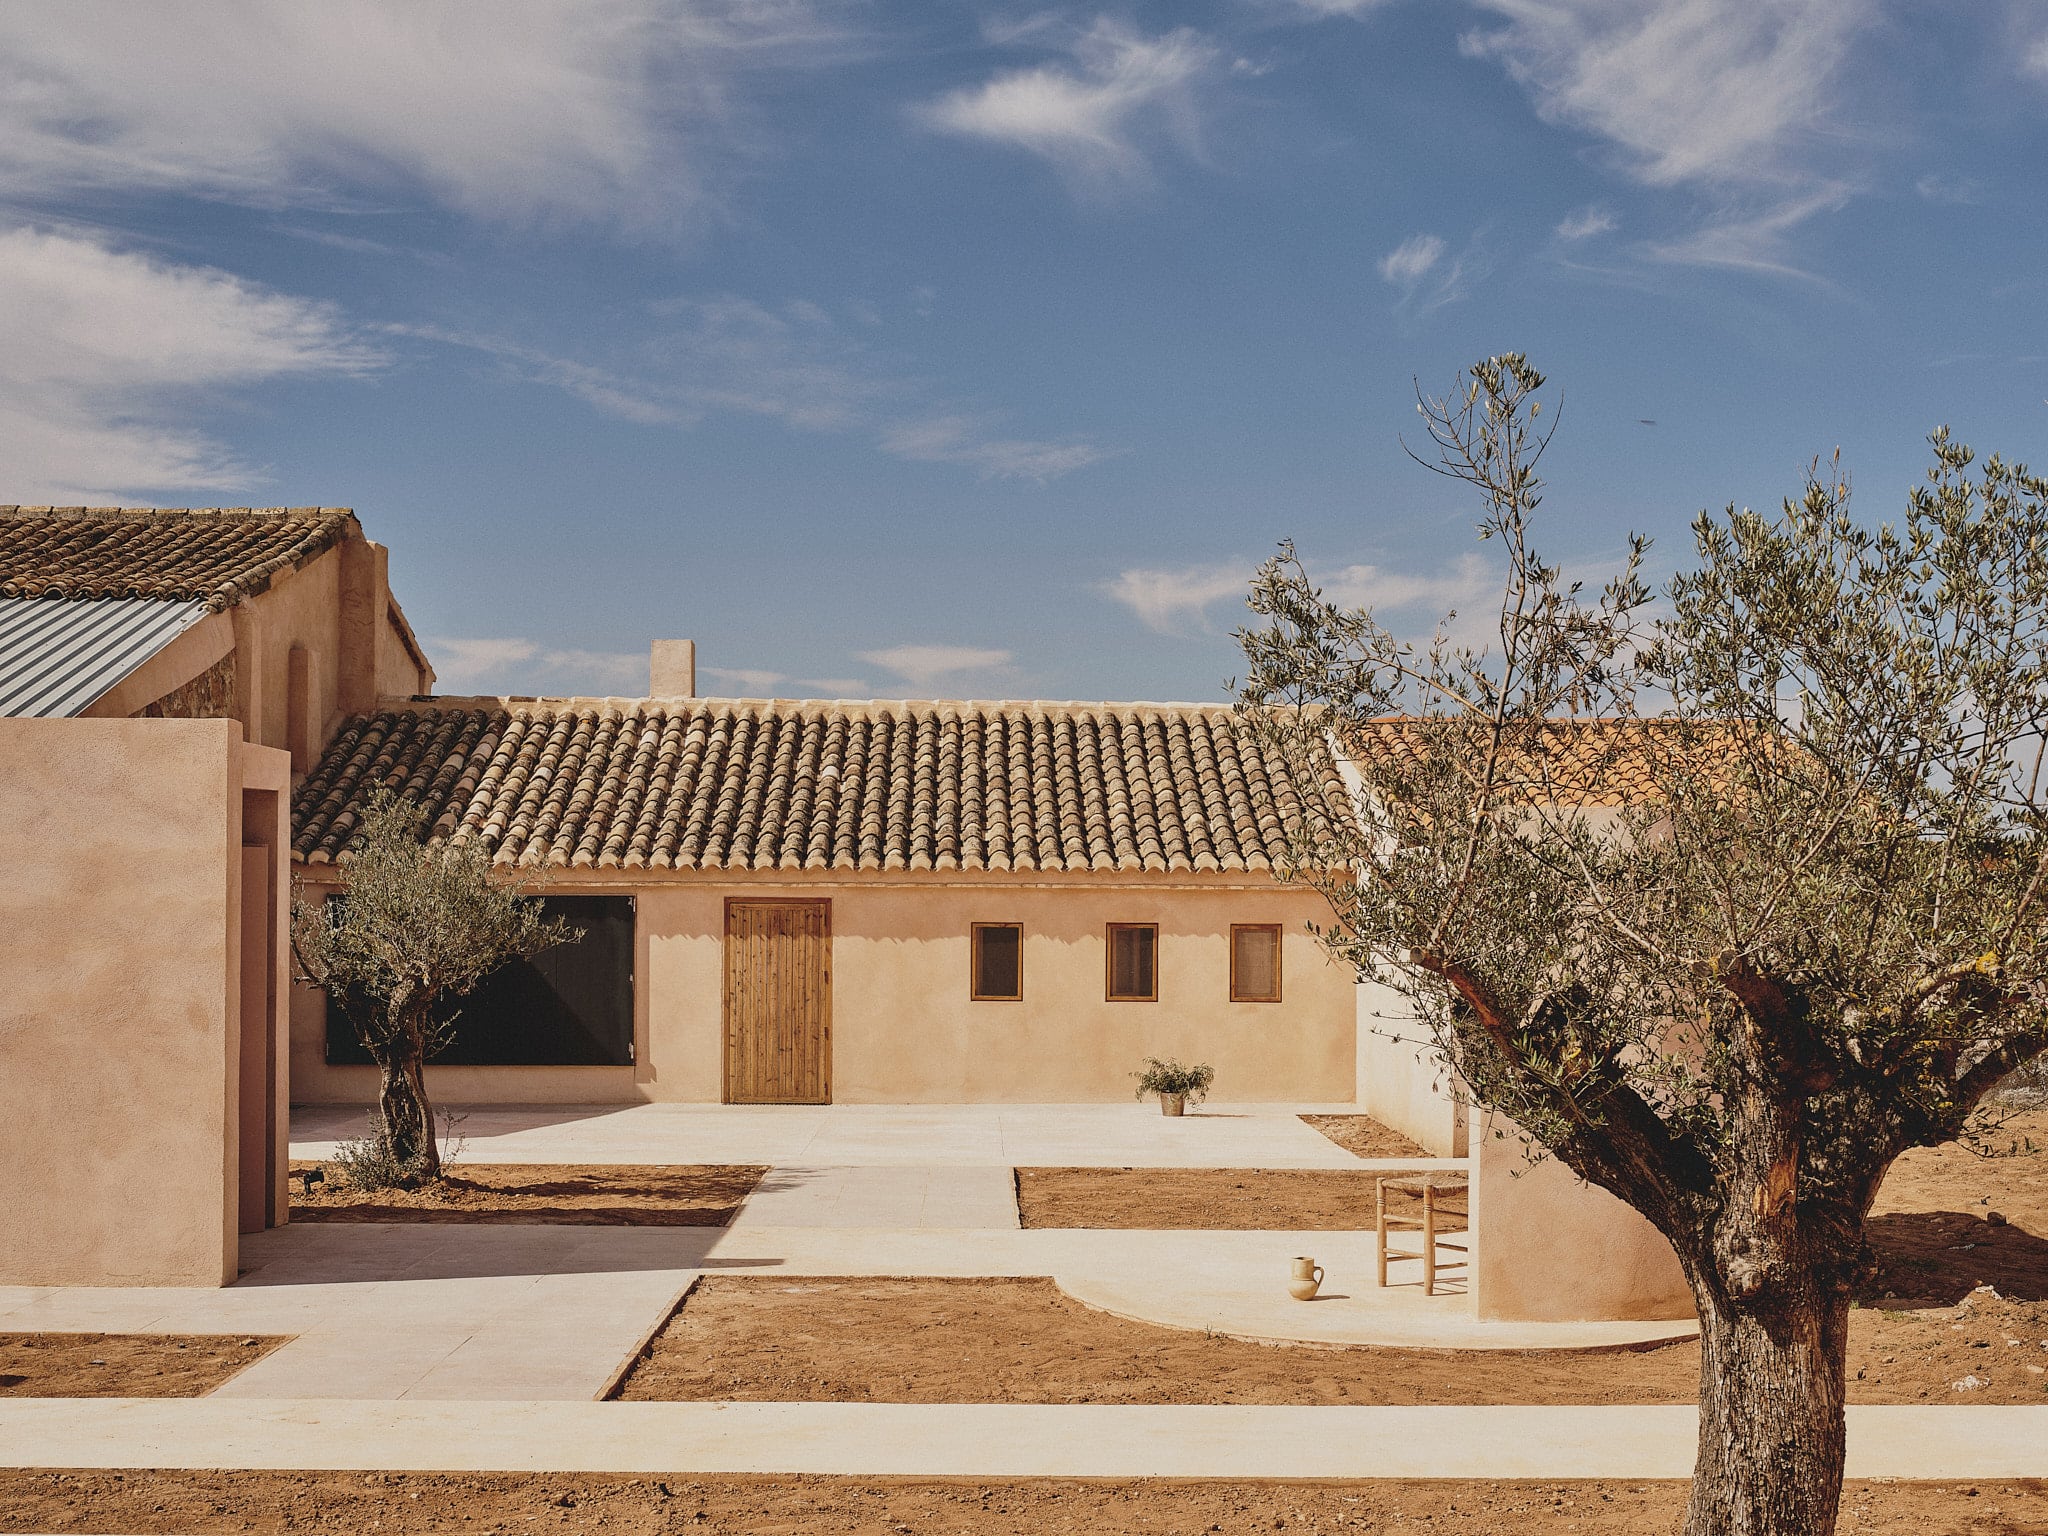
1936 1258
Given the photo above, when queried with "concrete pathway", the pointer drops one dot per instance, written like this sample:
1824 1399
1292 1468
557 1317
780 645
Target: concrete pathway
1128 1135
970 1440
909 1197
514 1313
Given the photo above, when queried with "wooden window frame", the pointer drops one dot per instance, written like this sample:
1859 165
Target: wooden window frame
1279 948
974 991
1109 991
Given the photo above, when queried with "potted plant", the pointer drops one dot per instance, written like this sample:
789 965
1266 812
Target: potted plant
1176 1085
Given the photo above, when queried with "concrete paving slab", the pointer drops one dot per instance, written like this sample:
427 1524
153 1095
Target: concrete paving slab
1128 1135
345 1362
891 1197
968 1440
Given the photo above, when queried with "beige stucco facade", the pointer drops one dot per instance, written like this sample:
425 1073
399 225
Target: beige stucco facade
142 907
904 1030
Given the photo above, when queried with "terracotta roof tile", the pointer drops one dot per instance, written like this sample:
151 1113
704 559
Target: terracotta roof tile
1575 762
214 555
724 784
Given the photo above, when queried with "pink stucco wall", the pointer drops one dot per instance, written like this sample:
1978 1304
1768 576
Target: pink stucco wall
120 843
1553 1248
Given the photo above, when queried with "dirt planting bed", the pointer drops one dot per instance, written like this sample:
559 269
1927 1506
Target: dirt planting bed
1232 1199
410 1504
124 1364
579 1194
862 1339
1363 1136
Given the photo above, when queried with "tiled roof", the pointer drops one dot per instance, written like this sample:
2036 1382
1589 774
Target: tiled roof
213 555
715 784
1573 762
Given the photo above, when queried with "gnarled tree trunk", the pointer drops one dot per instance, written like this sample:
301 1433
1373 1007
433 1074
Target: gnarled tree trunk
402 1103
1771 1428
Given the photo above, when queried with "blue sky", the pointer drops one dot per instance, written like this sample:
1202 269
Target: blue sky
972 350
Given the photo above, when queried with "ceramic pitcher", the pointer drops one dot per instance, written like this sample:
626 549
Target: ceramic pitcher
1306 1281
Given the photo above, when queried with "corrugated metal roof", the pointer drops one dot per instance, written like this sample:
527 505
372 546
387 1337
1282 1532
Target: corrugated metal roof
57 657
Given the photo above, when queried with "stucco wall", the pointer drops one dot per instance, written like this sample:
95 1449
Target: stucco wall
120 845
302 607
1402 1082
1553 1248
904 1029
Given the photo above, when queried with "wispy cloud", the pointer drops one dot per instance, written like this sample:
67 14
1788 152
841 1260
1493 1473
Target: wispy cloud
508 665
1466 580
1322 8
1587 224
1406 263
923 667
749 682
1747 102
1176 602
792 363
1427 281
965 440
105 353
1685 90
2034 58
1956 191
1089 114
521 110
1460 600
1753 242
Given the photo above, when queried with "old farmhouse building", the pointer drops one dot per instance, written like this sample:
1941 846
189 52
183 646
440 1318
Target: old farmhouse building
781 902
810 902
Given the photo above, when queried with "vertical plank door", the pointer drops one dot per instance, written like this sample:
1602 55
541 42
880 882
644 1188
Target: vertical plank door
778 1002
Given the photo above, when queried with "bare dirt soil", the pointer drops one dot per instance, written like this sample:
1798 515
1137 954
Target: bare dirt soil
928 1340
1228 1199
1363 1136
581 1194
124 1364
1949 1219
409 1504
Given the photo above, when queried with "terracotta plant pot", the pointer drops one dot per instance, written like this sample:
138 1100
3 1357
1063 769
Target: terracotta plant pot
1173 1103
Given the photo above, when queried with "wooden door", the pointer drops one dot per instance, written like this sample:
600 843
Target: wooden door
778 1002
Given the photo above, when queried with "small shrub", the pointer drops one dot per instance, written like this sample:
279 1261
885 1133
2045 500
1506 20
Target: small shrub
1170 1077
367 1162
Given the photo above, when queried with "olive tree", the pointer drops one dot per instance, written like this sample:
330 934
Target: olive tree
416 925
1728 895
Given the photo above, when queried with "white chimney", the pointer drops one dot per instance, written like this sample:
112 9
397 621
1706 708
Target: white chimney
672 669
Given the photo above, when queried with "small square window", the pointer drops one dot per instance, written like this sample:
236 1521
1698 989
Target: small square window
1134 962
998 962
1255 962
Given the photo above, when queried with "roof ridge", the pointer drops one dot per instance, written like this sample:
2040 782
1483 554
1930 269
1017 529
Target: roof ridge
7 510
420 703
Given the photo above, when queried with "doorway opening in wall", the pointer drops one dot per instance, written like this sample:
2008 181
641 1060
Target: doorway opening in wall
778 1002
569 1006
